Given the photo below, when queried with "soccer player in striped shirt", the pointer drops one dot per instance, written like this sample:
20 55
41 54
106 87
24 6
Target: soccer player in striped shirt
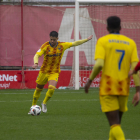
114 54
49 72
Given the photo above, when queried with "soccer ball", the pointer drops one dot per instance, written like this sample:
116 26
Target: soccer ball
35 110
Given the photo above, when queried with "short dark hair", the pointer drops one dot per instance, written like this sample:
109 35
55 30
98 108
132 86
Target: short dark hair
53 34
113 22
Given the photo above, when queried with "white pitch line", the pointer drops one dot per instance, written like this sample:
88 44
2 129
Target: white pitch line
42 93
16 93
82 100
73 100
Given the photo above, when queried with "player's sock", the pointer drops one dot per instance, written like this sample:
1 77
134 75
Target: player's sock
49 93
36 95
111 136
116 132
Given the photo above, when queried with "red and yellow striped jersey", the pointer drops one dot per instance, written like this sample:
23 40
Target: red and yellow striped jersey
52 56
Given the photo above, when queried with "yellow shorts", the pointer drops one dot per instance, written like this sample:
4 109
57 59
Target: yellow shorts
113 102
43 78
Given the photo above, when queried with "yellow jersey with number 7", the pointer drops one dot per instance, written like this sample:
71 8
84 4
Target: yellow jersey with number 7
118 52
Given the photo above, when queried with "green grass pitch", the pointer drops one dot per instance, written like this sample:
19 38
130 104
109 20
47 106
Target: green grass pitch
72 115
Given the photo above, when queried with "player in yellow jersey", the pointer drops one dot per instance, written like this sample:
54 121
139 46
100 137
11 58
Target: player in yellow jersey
114 54
49 72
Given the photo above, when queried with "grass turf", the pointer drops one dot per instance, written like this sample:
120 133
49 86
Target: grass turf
72 115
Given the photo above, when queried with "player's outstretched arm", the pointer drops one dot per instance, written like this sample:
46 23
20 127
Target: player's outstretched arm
96 69
79 42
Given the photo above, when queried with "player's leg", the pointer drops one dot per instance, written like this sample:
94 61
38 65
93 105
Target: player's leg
51 89
37 93
123 100
110 105
116 132
113 117
120 116
41 81
52 81
116 129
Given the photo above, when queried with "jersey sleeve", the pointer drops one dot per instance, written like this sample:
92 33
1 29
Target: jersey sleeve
99 50
41 50
134 56
67 45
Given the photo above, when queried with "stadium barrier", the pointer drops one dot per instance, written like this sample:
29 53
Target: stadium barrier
12 79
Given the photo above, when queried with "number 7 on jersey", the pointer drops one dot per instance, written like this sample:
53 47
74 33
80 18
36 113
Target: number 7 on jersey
122 52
